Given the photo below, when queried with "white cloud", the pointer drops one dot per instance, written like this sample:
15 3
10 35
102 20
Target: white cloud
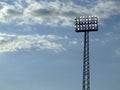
54 12
108 38
117 52
9 13
11 43
105 9
73 42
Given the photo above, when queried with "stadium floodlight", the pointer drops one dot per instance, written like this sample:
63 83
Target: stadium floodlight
86 23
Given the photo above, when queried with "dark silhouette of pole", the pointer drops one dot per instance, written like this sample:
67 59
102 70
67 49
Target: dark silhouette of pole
86 24
86 66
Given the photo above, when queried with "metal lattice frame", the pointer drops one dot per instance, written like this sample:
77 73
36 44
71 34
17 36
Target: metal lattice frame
86 66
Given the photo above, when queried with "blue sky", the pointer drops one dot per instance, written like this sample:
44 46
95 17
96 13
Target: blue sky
40 50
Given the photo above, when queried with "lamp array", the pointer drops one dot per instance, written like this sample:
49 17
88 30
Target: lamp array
86 23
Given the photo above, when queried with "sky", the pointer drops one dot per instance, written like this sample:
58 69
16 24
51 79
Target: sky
40 50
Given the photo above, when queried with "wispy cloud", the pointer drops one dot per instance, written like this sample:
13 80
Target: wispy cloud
74 42
107 38
54 12
12 43
117 52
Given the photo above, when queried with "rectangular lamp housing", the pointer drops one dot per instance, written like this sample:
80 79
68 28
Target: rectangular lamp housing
86 23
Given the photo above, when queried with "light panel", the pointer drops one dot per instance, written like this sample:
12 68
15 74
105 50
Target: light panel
86 23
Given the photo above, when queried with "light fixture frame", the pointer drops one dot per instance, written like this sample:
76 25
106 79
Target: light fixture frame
86 23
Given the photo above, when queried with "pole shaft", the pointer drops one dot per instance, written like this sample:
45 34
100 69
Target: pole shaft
86 65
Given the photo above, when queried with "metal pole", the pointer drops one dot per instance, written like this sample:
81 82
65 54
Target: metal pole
86 66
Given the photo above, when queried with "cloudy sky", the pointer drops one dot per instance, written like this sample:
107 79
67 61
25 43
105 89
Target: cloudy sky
40 50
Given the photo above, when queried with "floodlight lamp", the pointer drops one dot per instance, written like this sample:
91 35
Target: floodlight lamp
95 24
77 19
86 23
86 19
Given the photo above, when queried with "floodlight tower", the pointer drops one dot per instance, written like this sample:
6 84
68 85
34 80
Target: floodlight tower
86 24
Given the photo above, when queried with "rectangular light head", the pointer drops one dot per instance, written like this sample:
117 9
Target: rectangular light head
86 23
